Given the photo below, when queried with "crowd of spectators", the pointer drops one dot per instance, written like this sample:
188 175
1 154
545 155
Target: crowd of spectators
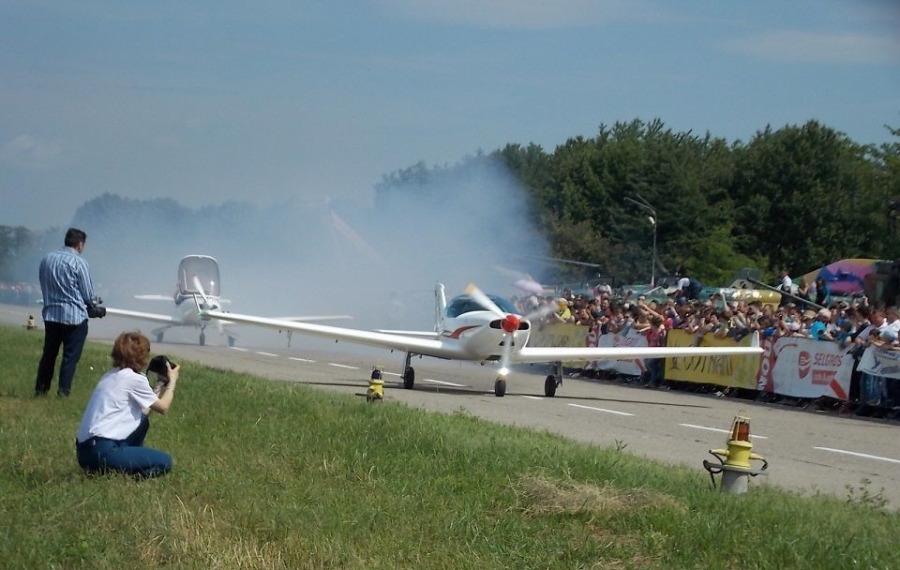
810 312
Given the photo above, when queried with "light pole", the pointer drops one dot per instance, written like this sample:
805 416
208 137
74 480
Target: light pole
646 206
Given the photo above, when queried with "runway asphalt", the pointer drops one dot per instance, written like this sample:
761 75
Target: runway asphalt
808 452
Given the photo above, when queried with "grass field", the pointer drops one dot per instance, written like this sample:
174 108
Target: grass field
275 475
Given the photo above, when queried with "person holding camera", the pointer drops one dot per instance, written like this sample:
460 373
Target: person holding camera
68 302
115 423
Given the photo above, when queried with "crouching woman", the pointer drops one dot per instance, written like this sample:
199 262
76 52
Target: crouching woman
115 423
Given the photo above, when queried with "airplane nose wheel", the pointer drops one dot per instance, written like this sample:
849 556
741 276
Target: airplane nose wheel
500 387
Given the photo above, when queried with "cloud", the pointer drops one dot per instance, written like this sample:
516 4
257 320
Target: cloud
809 47
30 151
514 14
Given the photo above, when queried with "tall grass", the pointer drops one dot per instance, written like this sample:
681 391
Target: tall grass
276 475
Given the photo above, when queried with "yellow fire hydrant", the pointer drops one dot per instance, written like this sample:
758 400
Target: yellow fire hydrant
734 462
29 324
375 393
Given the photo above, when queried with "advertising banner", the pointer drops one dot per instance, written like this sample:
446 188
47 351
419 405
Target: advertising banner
805 368
564 334
734 371
880 362
628 338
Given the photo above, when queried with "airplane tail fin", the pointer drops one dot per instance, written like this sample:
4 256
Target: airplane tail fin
440 304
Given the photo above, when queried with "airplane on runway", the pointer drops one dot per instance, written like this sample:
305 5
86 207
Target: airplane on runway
196 290
477 327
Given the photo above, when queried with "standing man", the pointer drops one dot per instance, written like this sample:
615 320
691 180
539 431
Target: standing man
68 301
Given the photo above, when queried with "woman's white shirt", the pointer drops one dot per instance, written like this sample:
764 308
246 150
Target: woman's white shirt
115 408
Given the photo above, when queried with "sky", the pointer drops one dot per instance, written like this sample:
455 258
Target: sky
306 102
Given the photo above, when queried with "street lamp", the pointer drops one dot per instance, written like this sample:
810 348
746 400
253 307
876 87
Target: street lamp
646 206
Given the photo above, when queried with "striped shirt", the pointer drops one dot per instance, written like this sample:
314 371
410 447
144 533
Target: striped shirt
66 285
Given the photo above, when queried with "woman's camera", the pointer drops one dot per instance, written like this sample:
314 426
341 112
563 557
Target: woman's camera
158 365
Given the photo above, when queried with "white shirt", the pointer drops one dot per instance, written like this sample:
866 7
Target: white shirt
683 284
786 284
114 410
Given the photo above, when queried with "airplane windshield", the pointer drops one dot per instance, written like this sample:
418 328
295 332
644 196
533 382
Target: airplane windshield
466 304
205 269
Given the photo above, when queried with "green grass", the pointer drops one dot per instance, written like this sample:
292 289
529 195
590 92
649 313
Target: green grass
275 475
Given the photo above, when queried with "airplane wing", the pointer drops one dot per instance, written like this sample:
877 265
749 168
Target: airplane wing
315 318
564 354
168 319
425 346
421 334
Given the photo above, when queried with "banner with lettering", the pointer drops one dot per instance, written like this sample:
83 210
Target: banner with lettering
734 371
564 334
805 368
880 362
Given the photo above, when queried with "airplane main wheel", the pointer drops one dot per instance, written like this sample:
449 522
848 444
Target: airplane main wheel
550 386
409 378
202 339
499 387
159 337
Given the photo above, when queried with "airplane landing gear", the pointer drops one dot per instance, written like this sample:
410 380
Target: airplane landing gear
202 338
409 374
500 387
553 381
231 341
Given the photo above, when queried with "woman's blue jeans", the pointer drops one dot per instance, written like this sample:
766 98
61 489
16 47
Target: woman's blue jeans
102 455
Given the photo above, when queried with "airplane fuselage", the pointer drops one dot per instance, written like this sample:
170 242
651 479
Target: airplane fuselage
476 339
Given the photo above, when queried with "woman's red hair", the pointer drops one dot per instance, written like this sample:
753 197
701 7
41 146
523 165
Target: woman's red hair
131 350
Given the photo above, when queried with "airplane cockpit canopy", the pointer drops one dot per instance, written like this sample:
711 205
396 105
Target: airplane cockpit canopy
205 268
466 304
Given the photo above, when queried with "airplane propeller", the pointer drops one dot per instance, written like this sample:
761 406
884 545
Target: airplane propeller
509 323
210 305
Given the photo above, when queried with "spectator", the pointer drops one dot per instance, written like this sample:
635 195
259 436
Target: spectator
68 291
818 330
115 423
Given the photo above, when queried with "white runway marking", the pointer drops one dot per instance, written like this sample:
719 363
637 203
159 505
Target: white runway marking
265 353
343 366
717 430
533 397
300 359
855 454
444 383
237 348
601 410
391 374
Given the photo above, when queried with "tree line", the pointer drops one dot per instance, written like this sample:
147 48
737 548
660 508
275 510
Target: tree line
798 197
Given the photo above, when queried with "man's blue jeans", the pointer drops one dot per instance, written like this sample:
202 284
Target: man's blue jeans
101 455
71 337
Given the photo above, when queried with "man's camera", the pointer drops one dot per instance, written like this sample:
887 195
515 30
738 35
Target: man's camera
158 365
96 311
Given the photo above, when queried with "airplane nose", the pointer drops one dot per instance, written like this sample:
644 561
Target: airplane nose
510 323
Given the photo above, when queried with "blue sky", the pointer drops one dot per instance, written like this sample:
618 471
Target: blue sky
269 101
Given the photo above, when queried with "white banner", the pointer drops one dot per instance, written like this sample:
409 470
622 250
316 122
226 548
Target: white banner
633 367
805 368
880 362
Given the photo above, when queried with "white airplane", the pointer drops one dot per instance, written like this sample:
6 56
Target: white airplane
480 328
196 290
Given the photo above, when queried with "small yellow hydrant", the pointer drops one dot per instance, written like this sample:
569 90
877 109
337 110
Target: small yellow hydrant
375 393
734 462
29 324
